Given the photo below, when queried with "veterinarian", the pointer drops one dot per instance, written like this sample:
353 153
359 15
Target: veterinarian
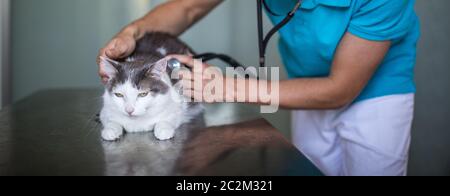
350 64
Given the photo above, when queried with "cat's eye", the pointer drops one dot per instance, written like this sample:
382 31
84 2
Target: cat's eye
143 94
118 95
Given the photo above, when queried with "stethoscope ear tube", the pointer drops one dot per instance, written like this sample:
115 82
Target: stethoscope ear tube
205 57
225 58
262 54
264 40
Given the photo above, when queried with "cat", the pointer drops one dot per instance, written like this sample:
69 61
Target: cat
140 95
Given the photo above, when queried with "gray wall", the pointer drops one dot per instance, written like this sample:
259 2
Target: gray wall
1 48
4 50
430 151
55 42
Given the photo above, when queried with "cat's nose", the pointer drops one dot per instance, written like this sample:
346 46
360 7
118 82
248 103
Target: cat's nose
130 110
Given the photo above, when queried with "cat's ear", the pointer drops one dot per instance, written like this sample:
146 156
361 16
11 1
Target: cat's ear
109 67
158 69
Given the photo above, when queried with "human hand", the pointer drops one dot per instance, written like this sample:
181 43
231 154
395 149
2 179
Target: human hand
205 83
121 46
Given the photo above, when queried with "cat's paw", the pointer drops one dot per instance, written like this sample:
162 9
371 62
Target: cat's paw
164 132
111 135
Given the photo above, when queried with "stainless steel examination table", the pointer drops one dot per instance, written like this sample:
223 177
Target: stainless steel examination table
56 132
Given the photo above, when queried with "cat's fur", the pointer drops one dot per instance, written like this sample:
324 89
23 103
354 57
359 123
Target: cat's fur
140 96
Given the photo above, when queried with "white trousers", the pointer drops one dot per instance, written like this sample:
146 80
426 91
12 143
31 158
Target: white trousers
367 138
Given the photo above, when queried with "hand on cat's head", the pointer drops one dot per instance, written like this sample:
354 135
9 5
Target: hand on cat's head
119 47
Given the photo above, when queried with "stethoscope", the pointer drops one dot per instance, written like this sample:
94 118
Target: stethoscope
263 41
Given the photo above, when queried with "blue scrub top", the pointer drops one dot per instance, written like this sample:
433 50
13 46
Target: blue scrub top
308 43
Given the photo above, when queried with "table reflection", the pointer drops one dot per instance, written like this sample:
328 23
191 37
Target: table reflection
227 150
141 154
196 150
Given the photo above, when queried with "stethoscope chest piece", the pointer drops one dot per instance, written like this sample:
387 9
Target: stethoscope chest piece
174 64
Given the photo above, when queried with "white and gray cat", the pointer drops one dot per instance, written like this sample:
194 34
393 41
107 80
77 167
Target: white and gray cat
141 96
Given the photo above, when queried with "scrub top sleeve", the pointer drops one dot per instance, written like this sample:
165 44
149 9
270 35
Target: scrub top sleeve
382 20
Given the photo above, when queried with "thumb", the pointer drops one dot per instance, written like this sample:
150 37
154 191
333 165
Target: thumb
120 50
114 50
113 53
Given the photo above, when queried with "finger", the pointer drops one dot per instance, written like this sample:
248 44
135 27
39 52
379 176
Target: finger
197 76
184 59
117 49
193 78
110 46
101 53
114 53
187 84
194 96
101 72
123 49
198 96
185 75
188 93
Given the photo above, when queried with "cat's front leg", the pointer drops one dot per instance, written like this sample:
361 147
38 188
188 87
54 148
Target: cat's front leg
165 130
111 131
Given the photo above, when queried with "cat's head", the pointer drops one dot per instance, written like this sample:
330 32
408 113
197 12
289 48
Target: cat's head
136 87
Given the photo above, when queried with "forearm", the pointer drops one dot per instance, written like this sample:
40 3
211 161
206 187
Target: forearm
316 93
308 93
173 17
